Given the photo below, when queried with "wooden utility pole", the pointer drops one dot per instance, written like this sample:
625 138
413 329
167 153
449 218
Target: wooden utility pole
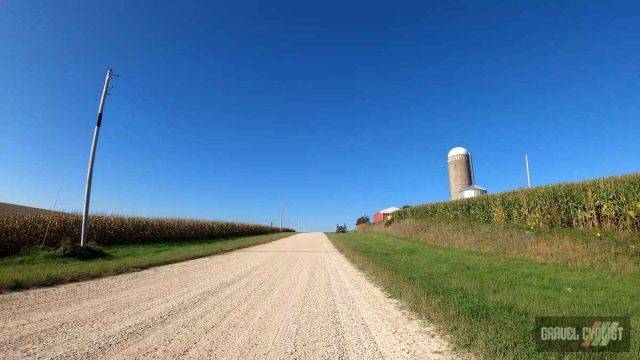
281 211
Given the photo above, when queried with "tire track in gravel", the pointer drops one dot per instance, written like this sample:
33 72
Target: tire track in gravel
167 335
294 298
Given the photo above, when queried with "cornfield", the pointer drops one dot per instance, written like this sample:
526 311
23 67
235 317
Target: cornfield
607 203
21 231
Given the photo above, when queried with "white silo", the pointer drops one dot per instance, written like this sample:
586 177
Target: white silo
460 171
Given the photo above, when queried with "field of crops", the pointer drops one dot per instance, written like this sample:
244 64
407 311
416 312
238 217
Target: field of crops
21 231
607 203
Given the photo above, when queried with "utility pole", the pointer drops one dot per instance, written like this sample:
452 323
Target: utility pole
281 210
92 157
299 221
526 164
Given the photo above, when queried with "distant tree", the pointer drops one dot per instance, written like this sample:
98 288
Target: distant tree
364 219
406 206
341 229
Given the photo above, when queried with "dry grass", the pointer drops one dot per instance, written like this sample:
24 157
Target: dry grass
617 251
21 231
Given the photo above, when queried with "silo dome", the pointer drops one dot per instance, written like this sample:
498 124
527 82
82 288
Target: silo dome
457 151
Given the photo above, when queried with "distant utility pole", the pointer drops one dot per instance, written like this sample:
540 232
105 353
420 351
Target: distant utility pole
92 158
299 221
526 164
281 210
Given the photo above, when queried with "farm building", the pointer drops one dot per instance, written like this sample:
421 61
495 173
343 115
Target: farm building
461 180
383 215
471 191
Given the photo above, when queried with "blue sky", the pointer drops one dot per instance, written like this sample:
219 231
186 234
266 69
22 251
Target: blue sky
342 108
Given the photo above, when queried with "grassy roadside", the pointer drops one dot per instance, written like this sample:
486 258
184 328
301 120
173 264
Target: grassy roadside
43 268
488 302
607 250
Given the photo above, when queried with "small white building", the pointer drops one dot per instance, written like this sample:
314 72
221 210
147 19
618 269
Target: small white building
471 191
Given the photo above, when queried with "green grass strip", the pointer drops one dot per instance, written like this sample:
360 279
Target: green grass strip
43 268
488 302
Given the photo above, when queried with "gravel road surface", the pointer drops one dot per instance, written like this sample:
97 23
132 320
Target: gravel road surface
295 298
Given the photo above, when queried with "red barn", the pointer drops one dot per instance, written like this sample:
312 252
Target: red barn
383 215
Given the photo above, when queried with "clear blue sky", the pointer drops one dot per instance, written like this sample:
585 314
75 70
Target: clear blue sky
342 108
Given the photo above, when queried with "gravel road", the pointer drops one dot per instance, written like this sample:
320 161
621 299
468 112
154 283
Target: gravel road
295 298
